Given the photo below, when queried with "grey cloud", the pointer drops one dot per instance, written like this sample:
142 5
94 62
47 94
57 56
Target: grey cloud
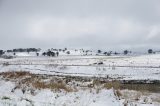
80 23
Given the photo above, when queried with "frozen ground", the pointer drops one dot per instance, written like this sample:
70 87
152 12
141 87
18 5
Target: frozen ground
28 90
143 67
47 97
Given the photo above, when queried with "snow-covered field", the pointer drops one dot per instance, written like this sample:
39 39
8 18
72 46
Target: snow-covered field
47 97
145 67
142 67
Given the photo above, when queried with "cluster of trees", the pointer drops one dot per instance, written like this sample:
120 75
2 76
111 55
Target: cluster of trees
107 53
99 51
68 52
52 49
50 53
85 52
56 51
25 50
125 52
1 52
88 52
150 51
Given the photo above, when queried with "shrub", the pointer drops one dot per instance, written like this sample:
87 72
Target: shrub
150 51
5 98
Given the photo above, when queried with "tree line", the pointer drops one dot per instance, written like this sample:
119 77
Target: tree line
55 52
25 50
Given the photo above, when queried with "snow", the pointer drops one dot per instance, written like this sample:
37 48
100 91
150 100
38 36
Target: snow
142 67
50 98
25 54
46 97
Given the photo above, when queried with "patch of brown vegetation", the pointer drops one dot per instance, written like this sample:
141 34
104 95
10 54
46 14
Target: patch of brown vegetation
112 84
142 87
13 74
106 84
118 93
96 83
28 79
51 85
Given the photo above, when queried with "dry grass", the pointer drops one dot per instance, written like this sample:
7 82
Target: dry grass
96 83
107 85
112 84
118 93
69 84
133 95
13 75
51 85
27 79
156 99
142 87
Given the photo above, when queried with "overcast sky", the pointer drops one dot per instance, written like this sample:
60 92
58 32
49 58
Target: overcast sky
107 24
